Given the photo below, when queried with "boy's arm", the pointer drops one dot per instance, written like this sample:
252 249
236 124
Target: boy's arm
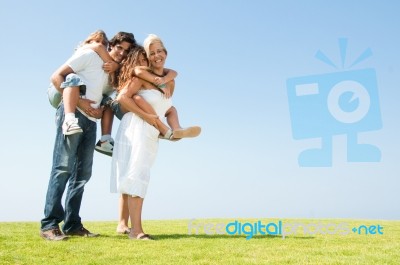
110 65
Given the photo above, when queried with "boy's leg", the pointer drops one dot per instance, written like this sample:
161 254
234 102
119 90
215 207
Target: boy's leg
107 121
106 144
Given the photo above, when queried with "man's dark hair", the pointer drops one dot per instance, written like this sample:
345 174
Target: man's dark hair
121 37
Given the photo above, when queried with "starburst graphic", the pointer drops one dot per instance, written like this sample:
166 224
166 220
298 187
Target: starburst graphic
343 51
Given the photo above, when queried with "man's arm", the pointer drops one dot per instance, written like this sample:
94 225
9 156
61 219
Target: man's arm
59 76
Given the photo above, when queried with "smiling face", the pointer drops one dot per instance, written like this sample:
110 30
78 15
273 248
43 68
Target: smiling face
119 51
157 56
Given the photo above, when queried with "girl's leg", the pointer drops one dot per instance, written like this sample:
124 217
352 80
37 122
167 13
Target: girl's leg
123 227
178 131
172 118
70 100
144 105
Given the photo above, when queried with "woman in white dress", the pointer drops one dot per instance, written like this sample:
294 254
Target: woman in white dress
136 141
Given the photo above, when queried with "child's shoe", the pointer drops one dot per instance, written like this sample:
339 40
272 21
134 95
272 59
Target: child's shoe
105 147
71 127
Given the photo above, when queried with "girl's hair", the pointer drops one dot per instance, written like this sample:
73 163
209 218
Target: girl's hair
126 71
97 36
151 39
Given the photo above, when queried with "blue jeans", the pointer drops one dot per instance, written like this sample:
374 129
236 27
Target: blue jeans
114 105
72 164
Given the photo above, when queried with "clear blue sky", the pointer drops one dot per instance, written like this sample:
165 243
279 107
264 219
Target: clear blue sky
234 59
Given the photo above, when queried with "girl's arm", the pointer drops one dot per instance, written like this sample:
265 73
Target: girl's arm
169 75
110 65
144 73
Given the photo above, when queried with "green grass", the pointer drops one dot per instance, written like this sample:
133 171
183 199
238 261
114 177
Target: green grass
20 244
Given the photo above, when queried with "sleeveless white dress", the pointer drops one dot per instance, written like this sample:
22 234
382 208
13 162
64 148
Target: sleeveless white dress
135 148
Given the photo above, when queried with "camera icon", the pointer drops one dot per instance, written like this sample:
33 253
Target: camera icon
325 105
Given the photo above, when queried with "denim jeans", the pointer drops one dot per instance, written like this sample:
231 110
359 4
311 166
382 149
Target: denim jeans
113 104
72 164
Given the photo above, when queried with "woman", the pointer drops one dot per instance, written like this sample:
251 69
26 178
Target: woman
136 141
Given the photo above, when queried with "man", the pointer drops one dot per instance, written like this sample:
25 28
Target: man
73 154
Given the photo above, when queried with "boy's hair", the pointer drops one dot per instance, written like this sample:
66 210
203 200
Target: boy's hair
97 36
121 37
151 39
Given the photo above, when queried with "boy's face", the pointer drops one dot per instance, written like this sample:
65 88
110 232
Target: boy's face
119 51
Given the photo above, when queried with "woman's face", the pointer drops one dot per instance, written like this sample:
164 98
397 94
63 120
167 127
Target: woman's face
157 55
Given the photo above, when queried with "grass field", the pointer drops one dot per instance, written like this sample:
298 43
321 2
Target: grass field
175 244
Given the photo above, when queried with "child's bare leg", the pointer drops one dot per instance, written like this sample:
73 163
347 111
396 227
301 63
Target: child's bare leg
178 131
172 118
107 121
70 98
146 107
106 144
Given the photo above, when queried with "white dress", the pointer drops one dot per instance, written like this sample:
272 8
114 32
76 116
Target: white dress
135 148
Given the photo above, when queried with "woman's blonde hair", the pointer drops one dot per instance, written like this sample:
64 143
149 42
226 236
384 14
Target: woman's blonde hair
151 39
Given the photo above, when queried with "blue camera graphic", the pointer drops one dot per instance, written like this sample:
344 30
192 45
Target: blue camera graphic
325 105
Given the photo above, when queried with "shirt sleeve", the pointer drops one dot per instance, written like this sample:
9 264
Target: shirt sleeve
80 60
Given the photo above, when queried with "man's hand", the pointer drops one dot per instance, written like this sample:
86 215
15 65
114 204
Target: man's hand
85 105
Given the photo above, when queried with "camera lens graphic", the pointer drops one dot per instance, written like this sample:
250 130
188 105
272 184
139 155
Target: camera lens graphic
349 110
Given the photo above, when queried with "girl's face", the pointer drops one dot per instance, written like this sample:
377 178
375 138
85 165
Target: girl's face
157 55
143 60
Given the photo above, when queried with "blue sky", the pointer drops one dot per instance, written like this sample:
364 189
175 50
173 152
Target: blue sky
234 59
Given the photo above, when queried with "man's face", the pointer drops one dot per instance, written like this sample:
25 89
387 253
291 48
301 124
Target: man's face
120 50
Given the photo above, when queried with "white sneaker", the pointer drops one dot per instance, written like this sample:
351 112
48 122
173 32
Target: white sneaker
71 127
105 147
